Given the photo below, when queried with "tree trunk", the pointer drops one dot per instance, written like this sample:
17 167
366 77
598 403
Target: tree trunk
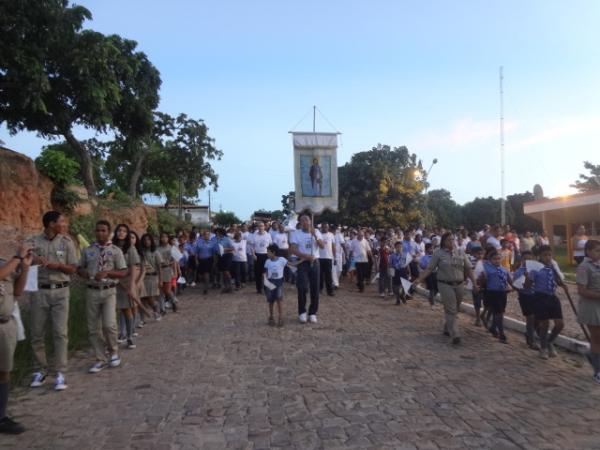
85 160
140 158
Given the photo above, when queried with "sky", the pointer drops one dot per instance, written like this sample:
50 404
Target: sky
420 74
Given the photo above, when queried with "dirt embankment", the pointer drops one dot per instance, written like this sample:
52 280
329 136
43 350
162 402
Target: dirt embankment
25 195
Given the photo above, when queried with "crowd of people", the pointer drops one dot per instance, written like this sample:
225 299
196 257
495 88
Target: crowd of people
131 280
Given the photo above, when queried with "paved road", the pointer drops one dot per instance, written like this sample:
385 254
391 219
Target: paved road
369 375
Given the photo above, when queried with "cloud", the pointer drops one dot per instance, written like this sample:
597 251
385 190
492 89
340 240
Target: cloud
464 133
554 129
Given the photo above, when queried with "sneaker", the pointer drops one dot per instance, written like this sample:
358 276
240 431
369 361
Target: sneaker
9 426
280 323
130 344
382 295
271 322
134 335
141 325
456 341
97 367
544 353
115 361
478 322
302 318
193 284
502 339
312 318
596 378
552 351
59 382
157 318
121 339
37 379
205 292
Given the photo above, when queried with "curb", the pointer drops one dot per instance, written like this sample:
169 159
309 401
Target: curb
565 342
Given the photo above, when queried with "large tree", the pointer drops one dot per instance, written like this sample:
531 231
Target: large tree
445 212
55 76
483 211
520 221
382 187
589 182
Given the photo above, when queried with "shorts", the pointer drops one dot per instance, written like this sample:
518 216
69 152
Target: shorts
205 265
191 262
546 307
527 302
8 344
477 299
225 262
275 294
496 301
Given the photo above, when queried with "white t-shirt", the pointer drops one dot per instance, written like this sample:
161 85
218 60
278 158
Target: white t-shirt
306 242
327 251
360 249
249 238
273 233
275 268
338 240
239 251
261 242
281 240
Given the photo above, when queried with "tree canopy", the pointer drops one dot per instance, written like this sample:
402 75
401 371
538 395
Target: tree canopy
54 75
591 182
442 210
225 218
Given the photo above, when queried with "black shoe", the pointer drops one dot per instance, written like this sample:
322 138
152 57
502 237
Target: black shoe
456 341
502 339
446 333
174 306
331 294
271 322
397 302
205 292
9 426
494 332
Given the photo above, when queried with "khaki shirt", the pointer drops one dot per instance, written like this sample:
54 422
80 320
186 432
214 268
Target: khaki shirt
152 261
132 259
7 289
165 254
588 274
58 250
451 265
96 259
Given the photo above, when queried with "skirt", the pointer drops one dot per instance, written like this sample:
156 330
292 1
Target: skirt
588 312
150 287
166 273
123 300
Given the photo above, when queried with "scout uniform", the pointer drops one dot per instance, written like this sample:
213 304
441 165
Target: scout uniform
51 299
166 266
588 275
8 326
451 267
101 296
132 259
152 262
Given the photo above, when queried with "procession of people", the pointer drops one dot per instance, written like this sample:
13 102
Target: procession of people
131 281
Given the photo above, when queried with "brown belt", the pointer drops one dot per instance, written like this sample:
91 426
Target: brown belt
149 274
450 283
101 288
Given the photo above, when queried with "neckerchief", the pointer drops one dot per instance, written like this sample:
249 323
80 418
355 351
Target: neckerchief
103 256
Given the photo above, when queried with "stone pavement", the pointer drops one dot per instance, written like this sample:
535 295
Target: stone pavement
369 375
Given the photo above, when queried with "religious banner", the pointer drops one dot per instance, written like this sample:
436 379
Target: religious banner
315 171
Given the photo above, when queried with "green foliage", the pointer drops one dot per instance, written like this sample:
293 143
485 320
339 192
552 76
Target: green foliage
288 202
225 219
591 182
521 222
382 187
56 75
57 166
444 211
83 225
65 198
78 335
483 211
170 223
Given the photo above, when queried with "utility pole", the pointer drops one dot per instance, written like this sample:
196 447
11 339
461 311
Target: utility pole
502 199
314 118
209 218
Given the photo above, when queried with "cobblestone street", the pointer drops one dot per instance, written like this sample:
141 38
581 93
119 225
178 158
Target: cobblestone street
369 375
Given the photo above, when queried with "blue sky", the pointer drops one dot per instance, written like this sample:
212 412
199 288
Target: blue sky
420 74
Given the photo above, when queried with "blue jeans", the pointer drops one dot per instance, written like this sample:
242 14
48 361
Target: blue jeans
308 281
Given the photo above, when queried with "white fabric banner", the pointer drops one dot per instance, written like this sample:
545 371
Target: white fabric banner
315 171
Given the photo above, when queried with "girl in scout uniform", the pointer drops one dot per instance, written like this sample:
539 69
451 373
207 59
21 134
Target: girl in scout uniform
151 262
588 287
13 275
167 269
126 289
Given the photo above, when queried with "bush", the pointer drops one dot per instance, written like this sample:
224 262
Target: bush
65 198
83 225
57 166
170 223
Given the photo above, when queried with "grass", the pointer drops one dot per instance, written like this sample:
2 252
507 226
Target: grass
568 267
78 336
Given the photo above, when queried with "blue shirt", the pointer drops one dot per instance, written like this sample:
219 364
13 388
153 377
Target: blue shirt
205 249
190 247
398 260
518 274
424 261
408 247
496 277
226 242
544 280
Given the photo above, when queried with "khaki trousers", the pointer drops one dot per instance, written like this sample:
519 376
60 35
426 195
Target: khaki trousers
451 298
53 303
102 321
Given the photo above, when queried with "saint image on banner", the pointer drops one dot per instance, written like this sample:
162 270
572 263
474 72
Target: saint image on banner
315 175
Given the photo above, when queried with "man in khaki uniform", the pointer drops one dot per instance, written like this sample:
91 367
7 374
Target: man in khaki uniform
13 275
55 254
102 265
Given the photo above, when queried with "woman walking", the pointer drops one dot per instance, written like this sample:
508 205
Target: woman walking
152 262
167 269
